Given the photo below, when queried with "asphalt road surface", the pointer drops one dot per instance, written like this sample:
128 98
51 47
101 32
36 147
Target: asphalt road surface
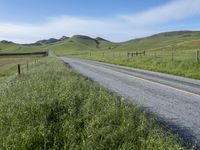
175 101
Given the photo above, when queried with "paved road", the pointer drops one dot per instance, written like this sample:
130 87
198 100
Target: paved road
175 101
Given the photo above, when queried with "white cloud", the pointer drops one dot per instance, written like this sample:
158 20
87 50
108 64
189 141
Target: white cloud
56 27
175 10
64 25
118 28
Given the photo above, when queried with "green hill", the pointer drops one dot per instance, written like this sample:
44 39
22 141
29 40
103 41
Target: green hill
81 44
178 40
10 47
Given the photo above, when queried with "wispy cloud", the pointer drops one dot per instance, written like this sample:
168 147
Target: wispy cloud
118 28
175 10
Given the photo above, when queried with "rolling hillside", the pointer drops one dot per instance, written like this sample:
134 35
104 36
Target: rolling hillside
81 44
9 47
178 40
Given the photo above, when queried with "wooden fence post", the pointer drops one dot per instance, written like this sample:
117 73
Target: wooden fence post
128 54
172 54
197 56
19 69
27 67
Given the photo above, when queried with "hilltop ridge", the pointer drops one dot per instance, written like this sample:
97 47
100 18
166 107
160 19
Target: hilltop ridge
178 39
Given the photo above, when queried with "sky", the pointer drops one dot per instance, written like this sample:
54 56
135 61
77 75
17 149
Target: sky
26 21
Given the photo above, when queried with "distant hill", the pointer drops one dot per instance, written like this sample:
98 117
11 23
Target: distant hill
83 43
166 40
175 33
178 39
6 42
100 39
63 38
48 41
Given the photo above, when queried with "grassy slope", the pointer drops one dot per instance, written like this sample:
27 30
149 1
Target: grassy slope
179 40
164 41
80 45
12 48
52 107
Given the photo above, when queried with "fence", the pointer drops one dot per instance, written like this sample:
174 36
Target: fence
131 54
42 54
25 66
197 57
171 55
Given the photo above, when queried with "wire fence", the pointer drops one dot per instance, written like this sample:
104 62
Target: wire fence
181 55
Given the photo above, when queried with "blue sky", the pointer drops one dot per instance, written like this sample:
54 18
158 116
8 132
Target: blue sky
27 21
38 10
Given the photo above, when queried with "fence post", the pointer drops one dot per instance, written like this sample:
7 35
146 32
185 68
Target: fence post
19 69
128 54
197 56
172 54
27 67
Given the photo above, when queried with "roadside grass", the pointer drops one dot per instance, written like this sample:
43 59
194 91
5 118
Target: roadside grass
51 107
177 62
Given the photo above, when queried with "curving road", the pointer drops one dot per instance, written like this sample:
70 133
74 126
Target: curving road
174 100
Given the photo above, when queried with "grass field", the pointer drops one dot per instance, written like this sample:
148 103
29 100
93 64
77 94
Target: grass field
181 63
8 64
51 107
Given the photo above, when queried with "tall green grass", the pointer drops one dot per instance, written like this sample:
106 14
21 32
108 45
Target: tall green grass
52 107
